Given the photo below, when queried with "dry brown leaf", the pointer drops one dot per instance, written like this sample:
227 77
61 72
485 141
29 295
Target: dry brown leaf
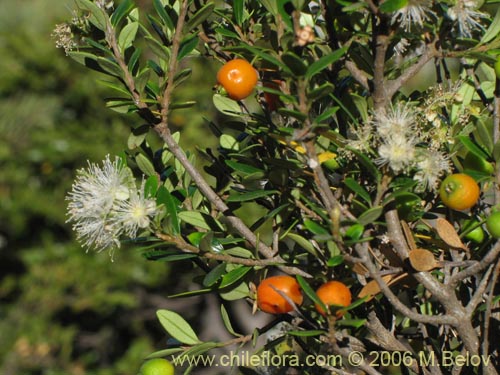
360 269
422 260
448 234
409 235
372 288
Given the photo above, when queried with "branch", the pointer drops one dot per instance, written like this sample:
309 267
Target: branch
164 132
394 85
359 75
496 134
181 244
394 300
380 96
488 259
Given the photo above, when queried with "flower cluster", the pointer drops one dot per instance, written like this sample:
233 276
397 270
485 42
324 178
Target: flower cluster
399 142
64 37
467 17
464 13
416 12
106 205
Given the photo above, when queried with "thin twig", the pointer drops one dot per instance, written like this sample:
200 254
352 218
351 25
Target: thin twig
394 85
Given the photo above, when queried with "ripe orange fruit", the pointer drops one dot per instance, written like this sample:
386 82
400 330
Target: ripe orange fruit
238 77
459 191
333 293
270 301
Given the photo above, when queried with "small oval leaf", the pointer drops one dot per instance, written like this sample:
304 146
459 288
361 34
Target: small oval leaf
177 327
448 234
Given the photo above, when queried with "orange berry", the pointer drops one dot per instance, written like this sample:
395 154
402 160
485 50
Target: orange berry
238 77
333 293
270 301
459 191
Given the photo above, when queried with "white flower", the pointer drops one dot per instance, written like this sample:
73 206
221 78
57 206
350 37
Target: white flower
98 187
431 165
104 204
398 120
398 151
466 16
401 47
415 13
135 213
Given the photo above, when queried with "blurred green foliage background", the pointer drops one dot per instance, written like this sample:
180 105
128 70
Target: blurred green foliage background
62 310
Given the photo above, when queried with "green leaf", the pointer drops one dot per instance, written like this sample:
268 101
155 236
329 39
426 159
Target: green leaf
294 63
163 196
292 113
302 242
145 165
200 16
165 18
321 91
327 114
228 142
238 11
114 86
157 48
251 195
109 66
177 327
356 323
306 288
367 163
137 136
182 105
187 46
355 231
195 237
263 54
315 228
285 16
197 219
243 168
234 276
182 75
240 292
311 333
83 58
177 257
335 261
151 186
493 31
226 105
239 252
271 6
472 147
227 322
127 35
121 11
226 33
214 275
370 215
164 353
96 15
358 189
199 349
389 6
317 66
